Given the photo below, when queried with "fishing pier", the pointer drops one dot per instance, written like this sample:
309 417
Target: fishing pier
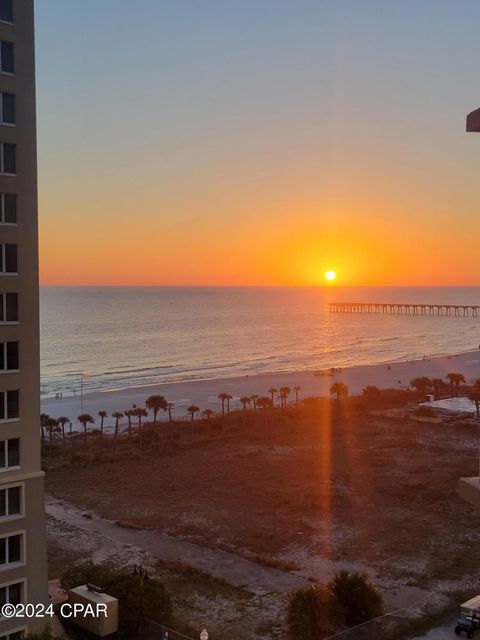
393 308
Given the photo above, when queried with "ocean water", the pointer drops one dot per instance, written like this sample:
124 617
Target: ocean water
131 336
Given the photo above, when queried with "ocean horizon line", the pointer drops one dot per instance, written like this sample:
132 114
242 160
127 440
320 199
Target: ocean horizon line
329 287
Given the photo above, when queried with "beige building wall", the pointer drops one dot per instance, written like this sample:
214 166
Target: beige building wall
32 569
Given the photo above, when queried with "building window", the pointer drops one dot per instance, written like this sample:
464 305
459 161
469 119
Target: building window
11 502
9 457
9 357
11 594
8 307
6 15
7 108
9 405
6 57
8 158
8 259
8 208
11 549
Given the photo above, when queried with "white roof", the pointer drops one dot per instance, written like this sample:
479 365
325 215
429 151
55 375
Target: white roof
85 592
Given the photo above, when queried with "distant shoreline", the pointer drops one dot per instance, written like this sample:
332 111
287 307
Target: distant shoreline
204 392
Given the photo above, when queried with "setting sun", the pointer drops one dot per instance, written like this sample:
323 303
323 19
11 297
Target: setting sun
330 276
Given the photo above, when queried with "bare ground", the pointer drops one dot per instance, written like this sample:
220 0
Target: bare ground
312 491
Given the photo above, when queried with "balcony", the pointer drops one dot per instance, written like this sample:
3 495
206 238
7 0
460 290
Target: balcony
473 121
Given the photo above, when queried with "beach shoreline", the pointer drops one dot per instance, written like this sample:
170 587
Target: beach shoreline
203 392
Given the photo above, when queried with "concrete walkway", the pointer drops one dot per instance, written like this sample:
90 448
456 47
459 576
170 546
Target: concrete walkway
232 568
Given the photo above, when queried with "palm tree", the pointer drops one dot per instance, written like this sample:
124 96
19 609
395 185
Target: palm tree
339 389
117 415
297 391
129 413
229 397
103 415
140 413
192 410
51 424
284 393
62 421
371 393
272 391
223 397
155 404
245 400
254 400
421 384
437 385
455 380
84 419
264 403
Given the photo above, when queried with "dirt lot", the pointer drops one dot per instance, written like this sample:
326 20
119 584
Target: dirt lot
311 491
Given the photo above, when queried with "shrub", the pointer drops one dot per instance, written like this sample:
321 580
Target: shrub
358 598
153 599
313 613
371 394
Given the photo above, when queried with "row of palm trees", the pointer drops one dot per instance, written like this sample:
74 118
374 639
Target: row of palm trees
157 403
423 385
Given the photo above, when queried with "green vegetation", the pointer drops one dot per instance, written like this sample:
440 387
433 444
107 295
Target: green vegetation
156 404
138 597
421 384
339 389
313 613
358 598
160 436
371 394
455 380
316 612
192 410
85 419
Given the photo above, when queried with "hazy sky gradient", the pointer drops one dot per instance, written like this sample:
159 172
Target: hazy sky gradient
246 142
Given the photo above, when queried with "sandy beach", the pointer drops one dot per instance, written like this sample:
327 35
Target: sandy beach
203 393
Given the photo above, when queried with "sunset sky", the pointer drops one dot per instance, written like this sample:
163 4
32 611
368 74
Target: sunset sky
245 142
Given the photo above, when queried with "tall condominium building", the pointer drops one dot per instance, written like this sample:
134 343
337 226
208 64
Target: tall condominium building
23 566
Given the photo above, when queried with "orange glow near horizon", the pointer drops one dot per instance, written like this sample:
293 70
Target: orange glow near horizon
155 253
258 156
118 237
271 232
